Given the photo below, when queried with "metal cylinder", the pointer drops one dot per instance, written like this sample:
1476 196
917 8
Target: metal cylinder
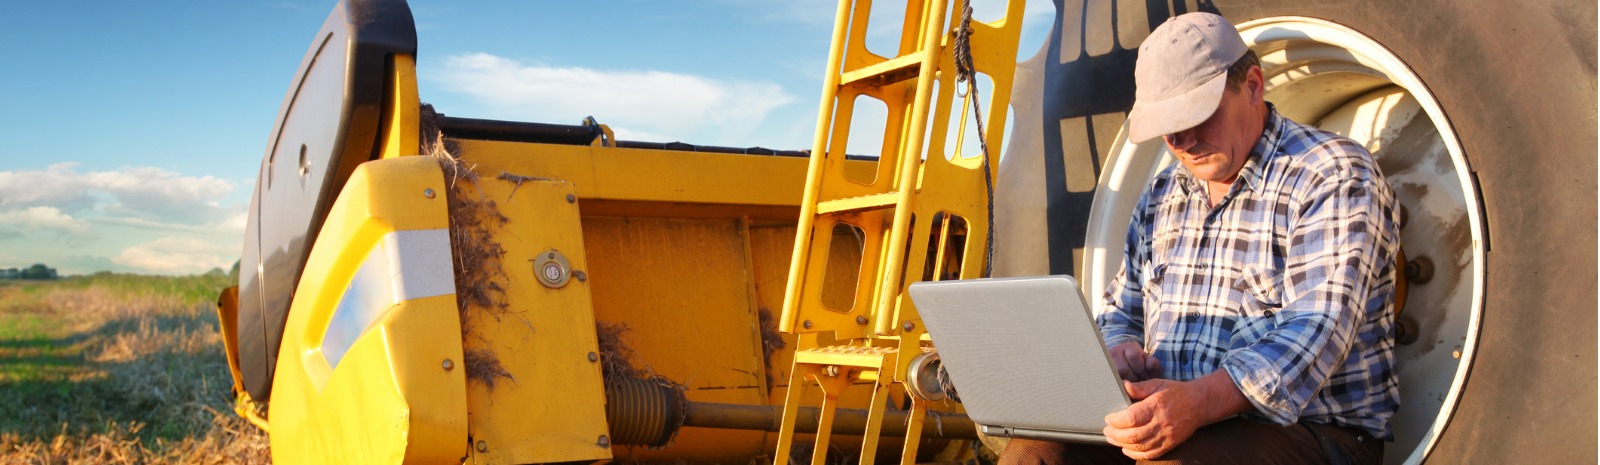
853 422
643 412
649 412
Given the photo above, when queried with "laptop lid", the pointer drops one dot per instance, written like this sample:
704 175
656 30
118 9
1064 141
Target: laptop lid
1025 355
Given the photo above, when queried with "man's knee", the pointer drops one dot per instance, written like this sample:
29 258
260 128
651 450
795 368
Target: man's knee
1020 451
1034 452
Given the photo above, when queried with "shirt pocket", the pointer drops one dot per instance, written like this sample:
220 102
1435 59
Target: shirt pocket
1153 293
1260 298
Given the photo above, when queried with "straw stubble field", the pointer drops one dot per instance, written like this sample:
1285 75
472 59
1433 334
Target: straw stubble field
118 369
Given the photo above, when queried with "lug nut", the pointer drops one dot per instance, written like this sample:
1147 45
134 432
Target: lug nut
1419 270
1406 331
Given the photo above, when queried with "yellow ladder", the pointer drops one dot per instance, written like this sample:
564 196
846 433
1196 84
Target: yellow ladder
868 230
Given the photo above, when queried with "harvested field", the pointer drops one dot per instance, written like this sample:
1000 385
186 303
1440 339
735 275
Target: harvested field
118 369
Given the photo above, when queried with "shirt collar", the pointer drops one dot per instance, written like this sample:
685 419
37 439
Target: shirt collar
1250 174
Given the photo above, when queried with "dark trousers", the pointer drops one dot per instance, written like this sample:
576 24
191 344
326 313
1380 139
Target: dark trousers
1232 441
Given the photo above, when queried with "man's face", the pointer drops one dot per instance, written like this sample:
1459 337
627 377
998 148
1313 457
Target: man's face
1217 149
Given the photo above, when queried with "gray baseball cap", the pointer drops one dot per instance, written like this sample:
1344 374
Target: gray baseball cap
1181 73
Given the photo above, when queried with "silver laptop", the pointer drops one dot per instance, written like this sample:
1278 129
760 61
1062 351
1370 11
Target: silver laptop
1024 354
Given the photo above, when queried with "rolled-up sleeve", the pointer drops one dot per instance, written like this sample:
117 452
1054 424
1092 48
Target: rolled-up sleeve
1334 252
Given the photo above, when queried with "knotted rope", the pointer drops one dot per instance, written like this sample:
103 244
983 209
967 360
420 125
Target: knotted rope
967 75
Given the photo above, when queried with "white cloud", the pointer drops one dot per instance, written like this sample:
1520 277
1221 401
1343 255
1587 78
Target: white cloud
57 186
177 255
688 107
145 193
160 194
83 221
36 220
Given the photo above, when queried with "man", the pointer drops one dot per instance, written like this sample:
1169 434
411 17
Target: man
1252 318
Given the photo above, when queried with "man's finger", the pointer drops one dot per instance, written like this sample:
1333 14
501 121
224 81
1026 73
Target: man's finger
1143 389
1125 368
1133 416
1151 454
1152 366
1135 438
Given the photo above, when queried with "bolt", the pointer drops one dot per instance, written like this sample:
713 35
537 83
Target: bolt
572 198
594 357
806 324
1456 353
428 192
1405 331
482 447
603 442
861 319
448 365
551 256
909 326
1419 270
580 276
833 371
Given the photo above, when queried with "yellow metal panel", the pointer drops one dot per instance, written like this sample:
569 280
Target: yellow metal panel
680 286
228 319
551 408
402 110
649 175
391 399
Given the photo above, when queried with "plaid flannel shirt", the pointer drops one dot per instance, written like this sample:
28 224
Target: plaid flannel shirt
1287 283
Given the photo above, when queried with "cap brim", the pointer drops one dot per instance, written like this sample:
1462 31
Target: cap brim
1151 119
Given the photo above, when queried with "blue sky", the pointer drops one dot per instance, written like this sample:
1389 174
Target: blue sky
133 130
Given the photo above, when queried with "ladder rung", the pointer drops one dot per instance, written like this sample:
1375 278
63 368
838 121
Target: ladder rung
885 73
865 202
869 357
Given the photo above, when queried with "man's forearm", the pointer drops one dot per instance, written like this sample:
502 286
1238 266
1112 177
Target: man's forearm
1223 397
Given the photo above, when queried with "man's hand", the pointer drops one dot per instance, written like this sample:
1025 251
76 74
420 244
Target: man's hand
1165 413
1133 364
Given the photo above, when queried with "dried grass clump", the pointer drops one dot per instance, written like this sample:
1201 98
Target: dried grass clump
616 358
476 253
230 440
771 341
125 369
483 366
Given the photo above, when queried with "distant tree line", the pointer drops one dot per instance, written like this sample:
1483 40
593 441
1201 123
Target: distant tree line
37 271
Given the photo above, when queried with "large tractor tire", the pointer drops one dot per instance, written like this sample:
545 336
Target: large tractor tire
1509 335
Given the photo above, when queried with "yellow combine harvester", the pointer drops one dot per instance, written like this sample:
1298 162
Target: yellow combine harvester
418 287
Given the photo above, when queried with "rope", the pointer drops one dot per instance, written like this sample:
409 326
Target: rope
966 74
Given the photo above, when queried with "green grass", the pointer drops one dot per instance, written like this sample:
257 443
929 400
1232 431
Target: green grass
117 368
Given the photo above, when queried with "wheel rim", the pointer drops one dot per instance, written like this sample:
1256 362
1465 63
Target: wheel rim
1323 73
